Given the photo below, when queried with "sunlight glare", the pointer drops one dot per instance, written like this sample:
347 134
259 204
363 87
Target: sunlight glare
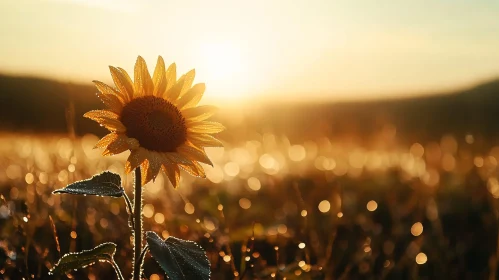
224 69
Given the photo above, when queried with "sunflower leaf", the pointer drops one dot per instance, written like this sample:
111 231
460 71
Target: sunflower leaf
104 184
180 259
71 261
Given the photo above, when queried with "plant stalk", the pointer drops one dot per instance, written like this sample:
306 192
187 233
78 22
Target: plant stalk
143 253
118 271
137 227
129 209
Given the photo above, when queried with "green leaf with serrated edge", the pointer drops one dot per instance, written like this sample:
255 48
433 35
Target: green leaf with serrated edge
180 259
104 184
72 261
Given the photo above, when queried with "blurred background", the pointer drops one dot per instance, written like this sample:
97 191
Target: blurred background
361 143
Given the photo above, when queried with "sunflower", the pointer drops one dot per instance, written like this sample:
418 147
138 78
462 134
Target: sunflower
158 120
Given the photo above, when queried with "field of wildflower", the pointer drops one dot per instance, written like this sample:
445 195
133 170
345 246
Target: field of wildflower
249 140
269 209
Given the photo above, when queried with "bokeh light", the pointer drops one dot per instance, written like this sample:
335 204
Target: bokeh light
324 206
421 258
372 205
245 203
417 229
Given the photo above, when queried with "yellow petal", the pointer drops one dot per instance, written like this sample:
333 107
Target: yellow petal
192 97
205 127
195 169
113 125
171 75
111 101
194 154
173 93
136 158
118 146
133 143
109 123
129 82
105 89
199 113
159 78
204 140
155 162
122 82
176 158
106 140
166 159
150 167
142 80
97 114
173 173
189 78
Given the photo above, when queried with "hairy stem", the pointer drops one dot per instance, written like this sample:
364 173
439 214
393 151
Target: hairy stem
118 271
129 210
137 227
143 253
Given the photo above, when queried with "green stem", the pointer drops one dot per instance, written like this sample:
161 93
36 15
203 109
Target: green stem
143 253
118 271
129 210
137 229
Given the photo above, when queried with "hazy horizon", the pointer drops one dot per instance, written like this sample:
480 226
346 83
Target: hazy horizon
239 104
330 50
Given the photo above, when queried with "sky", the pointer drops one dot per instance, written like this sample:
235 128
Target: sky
261 49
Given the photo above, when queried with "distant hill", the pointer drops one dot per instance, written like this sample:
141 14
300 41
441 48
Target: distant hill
37 105
469 111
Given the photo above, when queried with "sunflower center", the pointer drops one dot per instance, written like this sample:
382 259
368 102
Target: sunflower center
156 123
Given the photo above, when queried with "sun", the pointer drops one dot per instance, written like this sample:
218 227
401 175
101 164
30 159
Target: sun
223 59
224 68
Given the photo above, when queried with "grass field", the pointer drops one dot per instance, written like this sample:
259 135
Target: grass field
269 209
353 140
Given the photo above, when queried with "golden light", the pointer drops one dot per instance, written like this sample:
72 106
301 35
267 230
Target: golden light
282 229
189 208
297 153
245 203
254 183
231 169
324 206
29 178
417 150
421 258
372 205
209 225
159 218
417 229
478 161
148 210
224 67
